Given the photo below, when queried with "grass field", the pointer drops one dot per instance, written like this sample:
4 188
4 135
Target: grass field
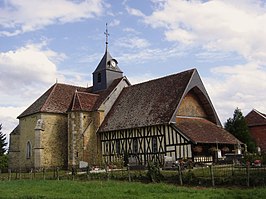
114 189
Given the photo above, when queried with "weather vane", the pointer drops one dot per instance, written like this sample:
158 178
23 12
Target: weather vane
106 34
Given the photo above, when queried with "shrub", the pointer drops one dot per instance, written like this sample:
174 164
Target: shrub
3 162
154 173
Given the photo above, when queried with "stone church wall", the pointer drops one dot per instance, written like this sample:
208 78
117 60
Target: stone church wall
14 151
48 146
27 134
83 143
54 140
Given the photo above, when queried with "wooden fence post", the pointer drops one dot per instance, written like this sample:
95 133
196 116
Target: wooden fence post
57 173
180 175
43 173
88 172
248 174
16 174
212 175
19 173
9 174
128 170
73 173
31 173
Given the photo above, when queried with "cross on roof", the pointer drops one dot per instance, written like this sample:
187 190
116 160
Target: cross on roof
107 34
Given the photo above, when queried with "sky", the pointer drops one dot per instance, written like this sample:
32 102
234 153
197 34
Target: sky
47 41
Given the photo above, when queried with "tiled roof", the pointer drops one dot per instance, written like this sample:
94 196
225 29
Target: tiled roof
255 118
150 103
105 93
83 101
200 130
57 99
61 98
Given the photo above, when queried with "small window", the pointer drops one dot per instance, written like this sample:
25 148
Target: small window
106 147
117 146
28 150
135 146
99 78
154 145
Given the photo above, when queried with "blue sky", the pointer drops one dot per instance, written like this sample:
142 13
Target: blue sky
42 41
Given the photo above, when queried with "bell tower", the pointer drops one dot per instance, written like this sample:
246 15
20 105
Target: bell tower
107 70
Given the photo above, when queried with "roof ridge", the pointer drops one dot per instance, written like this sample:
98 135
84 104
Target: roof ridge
73 102
160 78
49 96
80 104
87 93
190 117
261 114
65 84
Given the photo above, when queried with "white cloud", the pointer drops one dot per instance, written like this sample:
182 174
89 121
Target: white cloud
224 31
19 16
214 25
135 12
114 23
239 86
8 119
26 69
133 42
139 78
141 56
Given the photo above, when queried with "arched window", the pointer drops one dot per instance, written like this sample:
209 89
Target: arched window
28 150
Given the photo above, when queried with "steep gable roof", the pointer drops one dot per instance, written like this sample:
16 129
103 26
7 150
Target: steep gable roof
104 63
83 101
200 130
255 118
149 103
57 99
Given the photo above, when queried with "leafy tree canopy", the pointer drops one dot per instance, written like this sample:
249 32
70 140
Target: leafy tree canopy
238 127
3 142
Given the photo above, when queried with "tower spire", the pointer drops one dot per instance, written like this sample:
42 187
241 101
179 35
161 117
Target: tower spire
106 34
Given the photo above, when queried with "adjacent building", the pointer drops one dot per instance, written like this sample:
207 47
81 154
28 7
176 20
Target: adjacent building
256 122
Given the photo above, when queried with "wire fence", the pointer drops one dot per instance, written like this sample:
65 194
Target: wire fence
212 175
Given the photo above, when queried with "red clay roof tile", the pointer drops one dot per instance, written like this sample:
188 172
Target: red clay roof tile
200 130
149 103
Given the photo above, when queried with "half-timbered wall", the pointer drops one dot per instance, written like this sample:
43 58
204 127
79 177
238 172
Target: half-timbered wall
146 144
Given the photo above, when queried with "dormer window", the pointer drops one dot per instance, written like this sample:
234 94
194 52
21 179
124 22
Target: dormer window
99 78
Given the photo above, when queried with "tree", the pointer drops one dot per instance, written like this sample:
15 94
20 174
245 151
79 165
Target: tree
3 142
238 127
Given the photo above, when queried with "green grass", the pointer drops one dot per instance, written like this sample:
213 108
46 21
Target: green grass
114 189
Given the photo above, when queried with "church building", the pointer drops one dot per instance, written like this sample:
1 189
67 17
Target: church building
167 117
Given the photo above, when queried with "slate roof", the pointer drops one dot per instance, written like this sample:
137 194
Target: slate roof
149 103
200 130
255 118
104 63
61 98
